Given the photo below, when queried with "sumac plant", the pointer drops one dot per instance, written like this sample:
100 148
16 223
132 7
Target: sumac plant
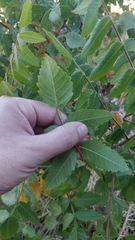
78 57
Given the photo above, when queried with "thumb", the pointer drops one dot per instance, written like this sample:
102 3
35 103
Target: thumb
61 139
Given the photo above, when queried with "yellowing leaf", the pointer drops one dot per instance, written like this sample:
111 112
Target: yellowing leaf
42 184
23 198
36 188
117 116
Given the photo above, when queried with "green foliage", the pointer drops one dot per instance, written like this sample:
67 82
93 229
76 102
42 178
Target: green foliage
79 59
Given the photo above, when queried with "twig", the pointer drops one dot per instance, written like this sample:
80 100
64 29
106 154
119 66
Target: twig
109 209
117 34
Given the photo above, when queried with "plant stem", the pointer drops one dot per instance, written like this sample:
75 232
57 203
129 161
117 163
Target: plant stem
117 34
109 208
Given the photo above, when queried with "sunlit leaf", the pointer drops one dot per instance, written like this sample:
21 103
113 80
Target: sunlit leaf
128 20
31 37
108 61
4 89
58 45
28 55
95 40
91 17
103 156
26 14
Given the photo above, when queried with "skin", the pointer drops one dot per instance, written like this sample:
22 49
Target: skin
22 146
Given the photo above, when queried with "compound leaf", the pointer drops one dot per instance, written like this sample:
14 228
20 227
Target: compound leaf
107 62
26 14
90 117
61 168
54 84
103 156
95 40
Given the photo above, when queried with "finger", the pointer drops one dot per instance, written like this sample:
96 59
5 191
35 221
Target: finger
63 138
37 113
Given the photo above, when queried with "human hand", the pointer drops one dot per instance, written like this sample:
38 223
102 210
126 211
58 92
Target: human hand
22 146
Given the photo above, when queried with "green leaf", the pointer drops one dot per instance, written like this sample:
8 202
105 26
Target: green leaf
66 220
9 198
78 82
55 208
30 194
61 49
82 7
107 62
9 228
87 215
127 20
31 37
45 23
86 199
50 222
124 81
65 12
83 100
26 211
130 143
26 14
4 89
28 232
56 87
28 56
91 17
130 237
120 73
98 34
55 14
74 40
64 202
103 156
93 100
61 168
20 78
77 234
4 214
130 102
90 117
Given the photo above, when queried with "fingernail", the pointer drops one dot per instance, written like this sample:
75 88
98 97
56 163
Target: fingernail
82 130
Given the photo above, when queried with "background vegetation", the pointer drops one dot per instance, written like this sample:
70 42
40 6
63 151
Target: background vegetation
78 57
